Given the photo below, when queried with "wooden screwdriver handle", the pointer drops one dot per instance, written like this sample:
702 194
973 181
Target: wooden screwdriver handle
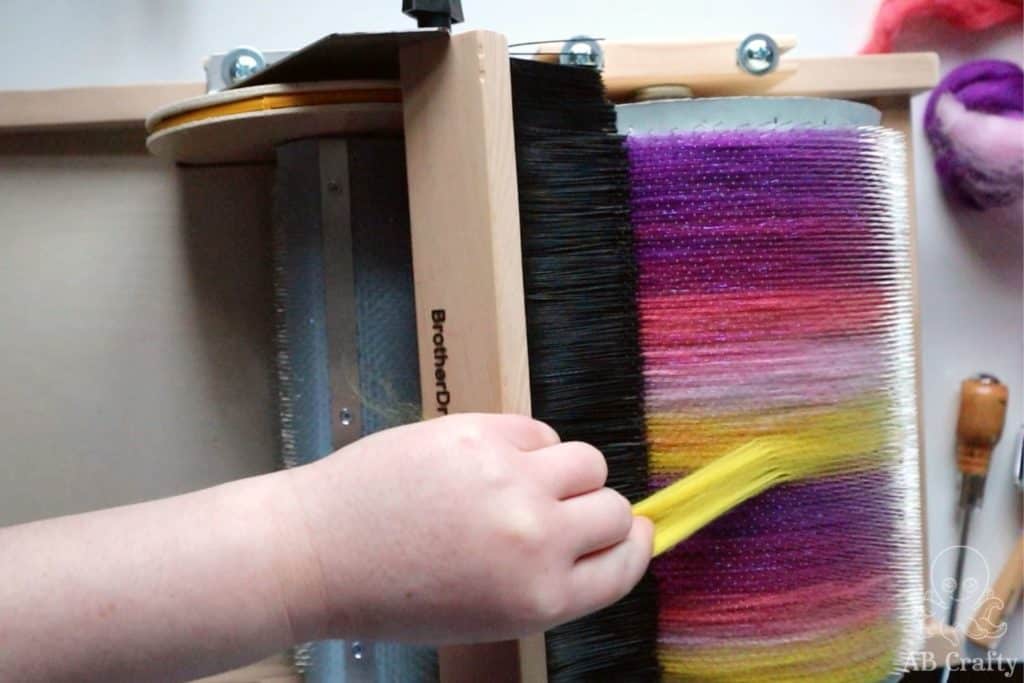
987 626
982 413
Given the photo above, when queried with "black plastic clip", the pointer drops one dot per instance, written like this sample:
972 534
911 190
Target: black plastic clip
434 13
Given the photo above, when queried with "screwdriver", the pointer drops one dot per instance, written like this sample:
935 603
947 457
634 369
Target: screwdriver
980 424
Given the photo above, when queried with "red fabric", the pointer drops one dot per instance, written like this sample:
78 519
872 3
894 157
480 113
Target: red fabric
970 15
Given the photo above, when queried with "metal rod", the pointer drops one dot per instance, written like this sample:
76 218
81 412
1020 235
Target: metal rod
959 572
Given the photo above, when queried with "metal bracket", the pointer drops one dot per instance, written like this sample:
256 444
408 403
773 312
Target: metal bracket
318 368
339 293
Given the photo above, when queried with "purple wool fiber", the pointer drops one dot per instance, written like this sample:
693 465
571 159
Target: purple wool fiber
773 291
975 123
791 536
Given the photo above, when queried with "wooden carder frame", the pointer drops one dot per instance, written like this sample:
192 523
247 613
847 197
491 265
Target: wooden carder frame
460 150
466 254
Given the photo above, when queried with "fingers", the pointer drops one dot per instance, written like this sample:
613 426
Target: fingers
569 469
521 431
596 520
601 578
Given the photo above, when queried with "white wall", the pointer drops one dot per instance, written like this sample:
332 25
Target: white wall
970 264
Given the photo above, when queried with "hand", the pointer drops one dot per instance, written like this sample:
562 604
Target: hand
465 528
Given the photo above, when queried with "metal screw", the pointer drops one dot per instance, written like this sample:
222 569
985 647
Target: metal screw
241 63
345 416
758 54
333 185
357 650
582 51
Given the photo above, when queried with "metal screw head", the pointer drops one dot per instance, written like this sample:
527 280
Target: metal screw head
241 63
582 51
758 54
357 650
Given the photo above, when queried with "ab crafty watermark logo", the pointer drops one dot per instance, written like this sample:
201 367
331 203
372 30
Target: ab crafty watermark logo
975 606
973 589
992 662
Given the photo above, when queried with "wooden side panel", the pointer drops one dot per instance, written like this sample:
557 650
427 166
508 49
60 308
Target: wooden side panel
855 77
709 68
100 106
467 264
851 77
703 65
464 209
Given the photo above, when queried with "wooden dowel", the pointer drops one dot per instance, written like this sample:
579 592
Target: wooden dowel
989 622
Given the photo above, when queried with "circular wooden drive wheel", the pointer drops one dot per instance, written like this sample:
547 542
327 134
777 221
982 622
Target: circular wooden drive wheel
245 125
